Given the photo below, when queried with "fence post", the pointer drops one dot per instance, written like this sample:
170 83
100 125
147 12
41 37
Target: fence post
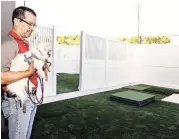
54 41
106 62
82 55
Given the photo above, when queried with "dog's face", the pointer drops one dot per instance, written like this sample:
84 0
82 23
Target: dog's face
42 52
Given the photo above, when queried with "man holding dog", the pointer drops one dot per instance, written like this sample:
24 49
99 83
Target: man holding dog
19 122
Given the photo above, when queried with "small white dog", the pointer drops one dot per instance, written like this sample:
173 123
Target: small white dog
41 55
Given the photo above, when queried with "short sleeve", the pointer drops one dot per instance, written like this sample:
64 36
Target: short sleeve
9 50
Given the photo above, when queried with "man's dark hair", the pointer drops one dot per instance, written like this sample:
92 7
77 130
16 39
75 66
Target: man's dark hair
19 12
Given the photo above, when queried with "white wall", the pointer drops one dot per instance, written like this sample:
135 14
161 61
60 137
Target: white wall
156 64
7 8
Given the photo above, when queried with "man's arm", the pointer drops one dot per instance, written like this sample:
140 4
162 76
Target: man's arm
10 77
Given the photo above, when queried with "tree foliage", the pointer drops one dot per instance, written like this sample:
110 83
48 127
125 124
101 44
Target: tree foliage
69 40
147 40
75 40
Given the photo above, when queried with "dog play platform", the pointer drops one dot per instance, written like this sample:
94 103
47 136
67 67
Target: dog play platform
133 97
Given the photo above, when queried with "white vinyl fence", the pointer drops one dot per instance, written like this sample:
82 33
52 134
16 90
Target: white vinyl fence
155 64
67 59
106 63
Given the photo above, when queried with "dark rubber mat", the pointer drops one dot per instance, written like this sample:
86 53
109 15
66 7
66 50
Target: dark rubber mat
133 97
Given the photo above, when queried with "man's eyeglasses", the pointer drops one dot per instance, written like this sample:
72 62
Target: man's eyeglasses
30 24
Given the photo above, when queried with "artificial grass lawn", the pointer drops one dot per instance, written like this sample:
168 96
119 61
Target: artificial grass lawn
96 117
67 82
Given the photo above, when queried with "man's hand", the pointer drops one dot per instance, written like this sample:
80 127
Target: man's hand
46 68
31 68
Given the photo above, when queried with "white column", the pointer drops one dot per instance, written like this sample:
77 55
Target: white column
7 8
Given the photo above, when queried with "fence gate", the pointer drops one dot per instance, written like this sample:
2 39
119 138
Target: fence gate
104 62
45 35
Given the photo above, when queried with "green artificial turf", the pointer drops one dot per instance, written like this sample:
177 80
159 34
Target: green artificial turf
67 83
96 117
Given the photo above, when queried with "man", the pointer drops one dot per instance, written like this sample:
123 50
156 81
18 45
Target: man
20 123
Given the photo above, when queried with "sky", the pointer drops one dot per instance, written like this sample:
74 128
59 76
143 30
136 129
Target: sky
113 18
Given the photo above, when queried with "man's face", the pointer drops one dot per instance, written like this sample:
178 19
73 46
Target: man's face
26 25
